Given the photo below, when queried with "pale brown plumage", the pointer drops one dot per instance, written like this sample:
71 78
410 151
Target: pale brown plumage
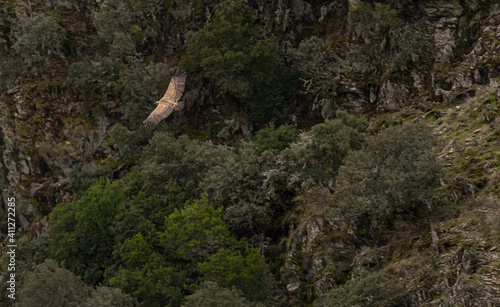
169 101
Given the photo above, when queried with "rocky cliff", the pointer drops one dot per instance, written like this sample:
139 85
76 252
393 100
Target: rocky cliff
436 62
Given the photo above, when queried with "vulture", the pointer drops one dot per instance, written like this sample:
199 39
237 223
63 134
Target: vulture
169 101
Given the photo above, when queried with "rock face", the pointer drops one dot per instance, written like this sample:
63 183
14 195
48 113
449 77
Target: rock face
443 17
438 42
385 56
38 156
318 247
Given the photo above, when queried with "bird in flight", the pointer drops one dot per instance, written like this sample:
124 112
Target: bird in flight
169 101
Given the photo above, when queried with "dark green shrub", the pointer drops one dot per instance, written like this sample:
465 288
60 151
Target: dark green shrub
50 285
83 176
38 37
271 138
185 161
319 153
38 34
129 142
396 172
238 184
157 266
147 275
247 272
195 232
81 235
317 66
97 75
114 25
233 54
412 46
333 139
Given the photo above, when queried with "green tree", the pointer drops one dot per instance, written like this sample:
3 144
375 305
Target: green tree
247 272
319 153
130 142
238 184
132 219
95 75
396 172
185 161
317 66
333 139
50 285
37 37
271 138
147 275
81 235
233 54
196 232
116 32
155 267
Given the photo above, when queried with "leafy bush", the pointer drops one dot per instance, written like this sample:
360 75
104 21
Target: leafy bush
237 184
50 285
38 34
395 172
114 25
185 161
97 75
232 53
129 142
377 289
319 153
38 37
113 297
133 219
318 67
155 266
271 138
412 47
333 139
246 272
195 232
147 275
81 235
84 176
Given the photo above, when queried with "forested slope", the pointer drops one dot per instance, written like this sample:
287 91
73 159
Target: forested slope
340 153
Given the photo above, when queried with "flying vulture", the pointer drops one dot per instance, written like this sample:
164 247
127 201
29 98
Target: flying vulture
170 101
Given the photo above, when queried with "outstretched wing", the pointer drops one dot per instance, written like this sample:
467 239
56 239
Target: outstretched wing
161 112
169 101
176 87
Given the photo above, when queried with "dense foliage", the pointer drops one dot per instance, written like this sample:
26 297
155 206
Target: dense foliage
50 285
82 235
153 240
281 182
395 173
232 52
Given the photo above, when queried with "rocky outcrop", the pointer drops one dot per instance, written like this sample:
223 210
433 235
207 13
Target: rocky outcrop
319 248
463 271
39 154
443 17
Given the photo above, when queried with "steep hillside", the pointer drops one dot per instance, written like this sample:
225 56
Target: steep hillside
393 202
